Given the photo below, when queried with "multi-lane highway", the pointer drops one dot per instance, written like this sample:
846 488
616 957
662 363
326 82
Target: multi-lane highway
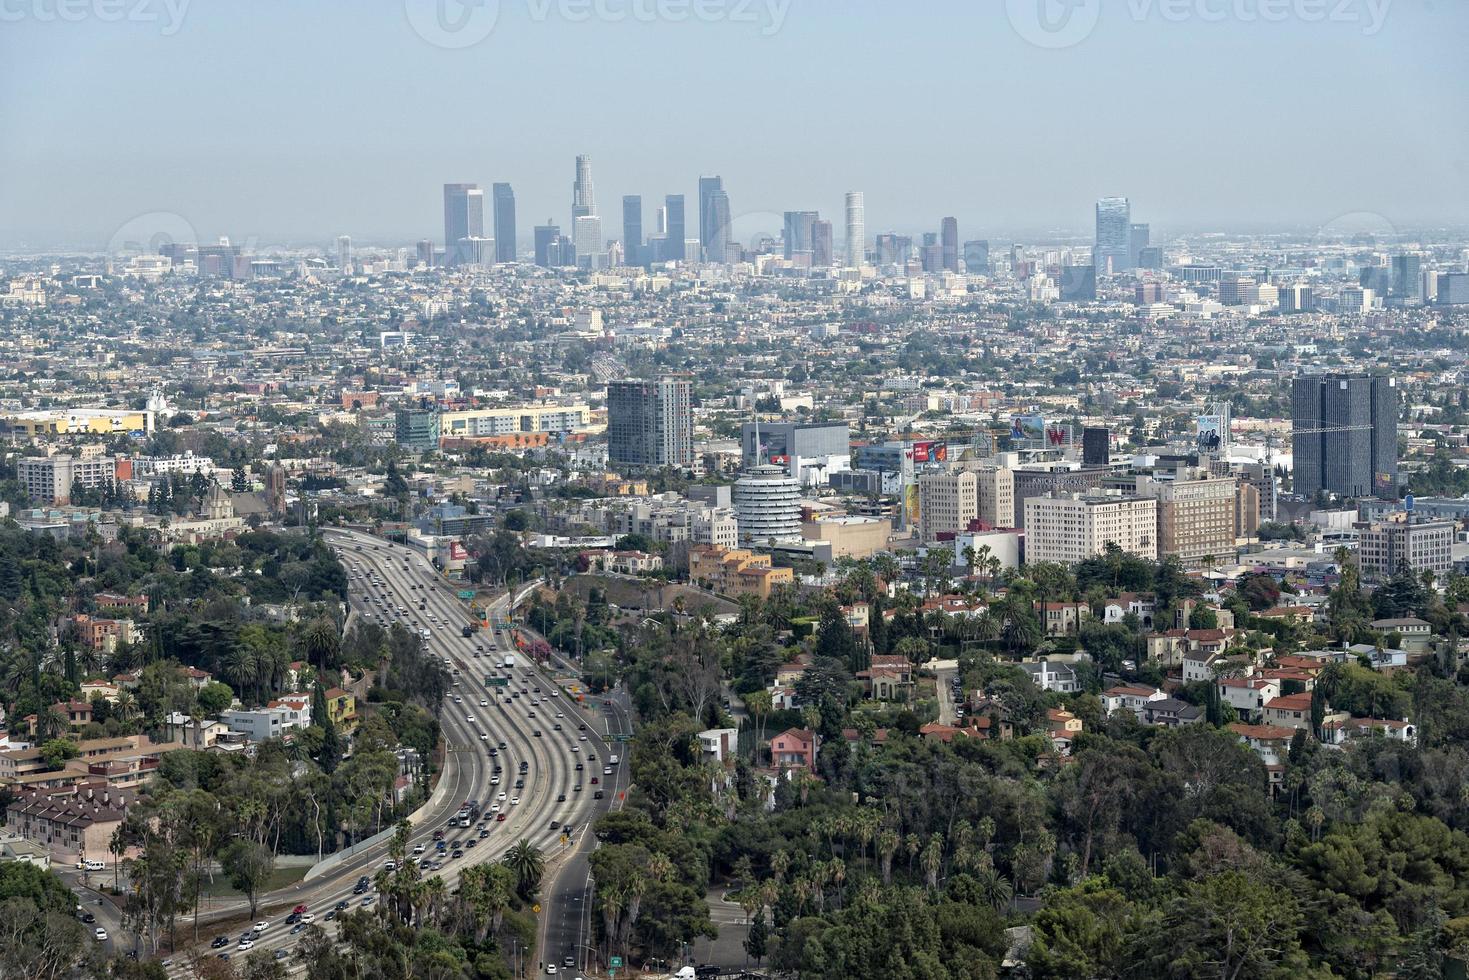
552 754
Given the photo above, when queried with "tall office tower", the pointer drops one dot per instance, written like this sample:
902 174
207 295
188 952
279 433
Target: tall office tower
1114 235
713 219
932 253
1150 257
1407 279
464 218
894 249
547 236
587 239
673 237
949 241
344 253
583 201
632 229
1296 297
1233 290
767 505
1344 435
821 248
1139 237
798 233
856 230
504 199
1148 293
650 423
1096 446
977 257
425 252
1377 278
1078 283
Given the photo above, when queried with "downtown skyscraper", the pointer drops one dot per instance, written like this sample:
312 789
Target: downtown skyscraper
675 236
1114 236
949 243
1344 435
464 222
504 201
632 230
856 230
586 227
713 219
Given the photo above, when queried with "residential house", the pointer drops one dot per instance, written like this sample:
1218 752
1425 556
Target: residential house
341 708
718 744
794 748
72 824
1272 744
1414 635
1131 698
1051 675
1143 605
1063 618
1171 713
1247 695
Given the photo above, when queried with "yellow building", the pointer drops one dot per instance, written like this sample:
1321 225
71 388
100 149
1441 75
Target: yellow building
735 571
77 421
341 708
850 537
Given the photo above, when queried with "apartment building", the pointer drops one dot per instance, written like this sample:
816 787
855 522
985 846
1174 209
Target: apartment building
735 571
1070 528
951 501
50 479
1423 545
1196 516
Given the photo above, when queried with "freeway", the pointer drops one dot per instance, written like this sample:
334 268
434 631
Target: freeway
528 723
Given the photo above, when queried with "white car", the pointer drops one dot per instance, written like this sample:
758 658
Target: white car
582 738
100 934
484 703
419 848
577 748
515 801
308 918
501 797
261 926
246 945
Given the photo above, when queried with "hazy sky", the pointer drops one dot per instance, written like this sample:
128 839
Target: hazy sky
296 121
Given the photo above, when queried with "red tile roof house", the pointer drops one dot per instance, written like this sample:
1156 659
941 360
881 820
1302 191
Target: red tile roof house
794 748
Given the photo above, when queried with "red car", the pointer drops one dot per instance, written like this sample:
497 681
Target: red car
299 910
499 818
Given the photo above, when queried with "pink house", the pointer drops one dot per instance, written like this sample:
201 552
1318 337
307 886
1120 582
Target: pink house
794 748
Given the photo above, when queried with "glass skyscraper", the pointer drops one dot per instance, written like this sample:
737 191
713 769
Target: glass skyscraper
504 199
632 229
1344 435
1114 235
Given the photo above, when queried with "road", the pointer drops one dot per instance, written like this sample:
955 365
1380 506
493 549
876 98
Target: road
389 582
944 672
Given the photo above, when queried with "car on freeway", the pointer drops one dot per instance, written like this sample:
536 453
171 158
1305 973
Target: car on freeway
99 934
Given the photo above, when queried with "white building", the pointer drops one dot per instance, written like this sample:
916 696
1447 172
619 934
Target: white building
767 505
1070 528
275 720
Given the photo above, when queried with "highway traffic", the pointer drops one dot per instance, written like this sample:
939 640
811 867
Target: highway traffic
523 760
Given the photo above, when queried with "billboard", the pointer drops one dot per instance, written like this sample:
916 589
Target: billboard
1028 428
1210 433
930 452
1058 435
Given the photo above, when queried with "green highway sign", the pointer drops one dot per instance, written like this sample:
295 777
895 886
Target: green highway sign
496 681
466 594
614 961
619 737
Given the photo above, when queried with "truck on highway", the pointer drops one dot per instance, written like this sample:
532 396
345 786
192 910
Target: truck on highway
467 630
508 662
612 760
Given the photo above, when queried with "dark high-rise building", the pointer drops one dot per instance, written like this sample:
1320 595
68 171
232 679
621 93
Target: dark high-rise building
1096 446
949 240
977 257
1114 235
1150 257
713 219
547 248
1078 283
632 229
894 249
932 253
1407 279
1139 237
464 219
504 199
674 239
821 254
798 229
1377 278
650 424
425 252
1344 437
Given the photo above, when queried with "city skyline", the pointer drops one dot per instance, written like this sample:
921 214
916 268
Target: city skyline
286 184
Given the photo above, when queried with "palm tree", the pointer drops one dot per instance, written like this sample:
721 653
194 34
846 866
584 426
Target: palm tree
527 863
887 845
321 642
995 888
932 860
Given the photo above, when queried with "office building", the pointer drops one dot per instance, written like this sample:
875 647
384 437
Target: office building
504 202
1235 290
856 230
546 238
972 498
1114 236
894 249
1070 528
344 253
1406 282
587 240
583 200
1453 288
416 429
1421 545
1196 516
674 230
1096 446
714 219
977 257
798 233
821 244
810 452
51 479
767 503
949 242
650 423
632 229
1138 238
1295 297
1078 283
1060 480
425 256
1344 436
1150 257
464 221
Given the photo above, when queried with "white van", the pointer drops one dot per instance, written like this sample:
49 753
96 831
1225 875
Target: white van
90 865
